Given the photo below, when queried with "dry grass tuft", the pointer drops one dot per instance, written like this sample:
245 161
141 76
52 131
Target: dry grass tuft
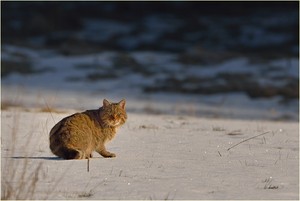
218 128
27 179
86 194
50 110
20 176
268 184
5 105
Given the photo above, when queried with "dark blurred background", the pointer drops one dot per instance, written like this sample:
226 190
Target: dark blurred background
201 35
212 25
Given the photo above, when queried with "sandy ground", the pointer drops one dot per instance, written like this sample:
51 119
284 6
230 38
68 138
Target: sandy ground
158 157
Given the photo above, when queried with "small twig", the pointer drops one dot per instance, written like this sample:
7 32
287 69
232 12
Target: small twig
248 139
88 164
220 154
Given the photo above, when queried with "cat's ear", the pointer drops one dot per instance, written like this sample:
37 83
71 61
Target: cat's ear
106 103
122 103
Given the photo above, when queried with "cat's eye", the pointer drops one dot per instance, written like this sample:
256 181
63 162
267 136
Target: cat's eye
113 117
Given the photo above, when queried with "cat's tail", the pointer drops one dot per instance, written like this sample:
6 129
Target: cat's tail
70 153
59 149
65 153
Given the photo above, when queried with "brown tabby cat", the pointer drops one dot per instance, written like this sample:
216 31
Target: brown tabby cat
78 135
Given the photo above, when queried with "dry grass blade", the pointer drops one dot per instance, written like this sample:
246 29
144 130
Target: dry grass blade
20 176
248 140
48 109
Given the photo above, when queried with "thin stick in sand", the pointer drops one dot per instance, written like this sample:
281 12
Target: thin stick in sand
248 139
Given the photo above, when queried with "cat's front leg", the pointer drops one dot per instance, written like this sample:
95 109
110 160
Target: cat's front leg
90 156
103 152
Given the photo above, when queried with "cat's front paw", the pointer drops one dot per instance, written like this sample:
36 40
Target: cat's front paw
107 154
111 155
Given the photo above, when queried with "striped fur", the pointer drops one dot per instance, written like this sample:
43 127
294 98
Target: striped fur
78 135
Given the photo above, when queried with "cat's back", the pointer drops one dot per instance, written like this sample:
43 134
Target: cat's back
62 123
75 121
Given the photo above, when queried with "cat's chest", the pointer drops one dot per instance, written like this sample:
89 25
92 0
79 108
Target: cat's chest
109 133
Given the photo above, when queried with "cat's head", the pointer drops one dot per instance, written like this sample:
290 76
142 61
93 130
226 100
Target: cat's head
113 114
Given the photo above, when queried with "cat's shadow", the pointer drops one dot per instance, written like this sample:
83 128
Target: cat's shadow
38 157
53 158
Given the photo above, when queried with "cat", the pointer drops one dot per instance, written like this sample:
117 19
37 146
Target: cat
78 135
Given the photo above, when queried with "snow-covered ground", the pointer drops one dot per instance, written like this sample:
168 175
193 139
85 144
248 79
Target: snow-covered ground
158 157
